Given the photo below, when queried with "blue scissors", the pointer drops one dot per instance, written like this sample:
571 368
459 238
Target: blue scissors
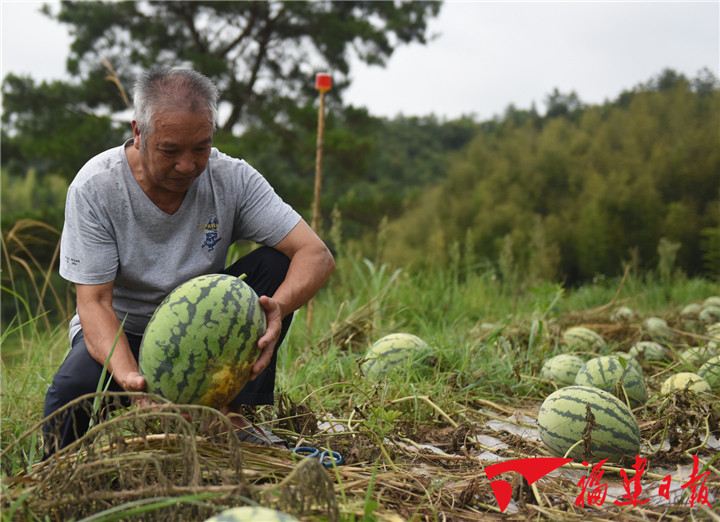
326 458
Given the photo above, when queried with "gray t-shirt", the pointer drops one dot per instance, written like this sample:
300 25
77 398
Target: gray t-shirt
113 232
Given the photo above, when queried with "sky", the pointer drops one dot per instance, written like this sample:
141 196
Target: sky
482 56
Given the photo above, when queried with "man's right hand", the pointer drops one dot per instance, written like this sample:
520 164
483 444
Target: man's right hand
134 382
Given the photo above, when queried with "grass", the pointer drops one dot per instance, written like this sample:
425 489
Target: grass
488 344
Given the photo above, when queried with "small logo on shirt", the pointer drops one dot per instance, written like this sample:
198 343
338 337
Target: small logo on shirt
211 234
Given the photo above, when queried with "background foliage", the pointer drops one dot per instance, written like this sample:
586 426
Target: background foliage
566 196
580 194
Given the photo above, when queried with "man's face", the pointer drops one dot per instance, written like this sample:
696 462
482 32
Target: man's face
178 150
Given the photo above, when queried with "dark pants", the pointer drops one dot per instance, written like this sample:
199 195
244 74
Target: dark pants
79 374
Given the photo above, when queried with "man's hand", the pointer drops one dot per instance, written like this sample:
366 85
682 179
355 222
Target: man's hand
310 265
134 382
267 342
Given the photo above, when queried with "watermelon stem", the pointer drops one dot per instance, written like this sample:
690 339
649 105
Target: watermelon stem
620 392
709 464
704 442
430 403
383 450
614 469
571 448
662 437
587 432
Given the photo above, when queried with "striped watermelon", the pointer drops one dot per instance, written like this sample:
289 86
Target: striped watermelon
713 330
201 343
691 310
582 338
562 368
252 514
390 353
604 372
623 314
710 313
713 300
562 419
649 351
710 371
658 329
685 381
629 359
698 355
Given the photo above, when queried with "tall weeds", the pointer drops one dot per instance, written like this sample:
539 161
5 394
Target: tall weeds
487 339
30 253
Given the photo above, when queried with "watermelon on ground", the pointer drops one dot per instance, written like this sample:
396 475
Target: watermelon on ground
658 329
582 338
709 314
710 371
606 371
685 381
562 368
691 310
696 356
623 314
629 359
252 514
713 330
563 418
201 343
713 300
390 353
649 351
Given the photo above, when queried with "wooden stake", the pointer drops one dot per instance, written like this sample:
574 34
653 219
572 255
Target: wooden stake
322 84
318 163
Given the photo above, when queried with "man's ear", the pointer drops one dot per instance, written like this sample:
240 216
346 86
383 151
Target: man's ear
136 135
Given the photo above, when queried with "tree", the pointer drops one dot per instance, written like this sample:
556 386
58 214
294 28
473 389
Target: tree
558 104
50 128
574 196
259 53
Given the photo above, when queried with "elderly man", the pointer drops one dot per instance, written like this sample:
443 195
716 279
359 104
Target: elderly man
160 209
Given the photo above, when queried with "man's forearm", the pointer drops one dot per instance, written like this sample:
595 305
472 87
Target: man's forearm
308 272
100 328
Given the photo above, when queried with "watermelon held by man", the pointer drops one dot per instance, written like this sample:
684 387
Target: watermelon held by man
202 341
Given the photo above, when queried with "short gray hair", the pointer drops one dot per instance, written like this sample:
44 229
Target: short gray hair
164 87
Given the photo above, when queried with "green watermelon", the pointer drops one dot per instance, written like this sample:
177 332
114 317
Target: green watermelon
713 300
604 372
562 419
713 330
691 310
562 368
685 381
658 329
709 314
696 356
391 352
629 359
649 351
582 338
252 514
201 343
710 371
623 314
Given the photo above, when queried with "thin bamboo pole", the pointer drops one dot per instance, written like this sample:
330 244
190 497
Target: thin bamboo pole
318 163
318 184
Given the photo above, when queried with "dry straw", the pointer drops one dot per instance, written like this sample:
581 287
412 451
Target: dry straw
169 462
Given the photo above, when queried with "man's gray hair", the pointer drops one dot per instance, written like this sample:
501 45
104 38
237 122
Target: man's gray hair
167 88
